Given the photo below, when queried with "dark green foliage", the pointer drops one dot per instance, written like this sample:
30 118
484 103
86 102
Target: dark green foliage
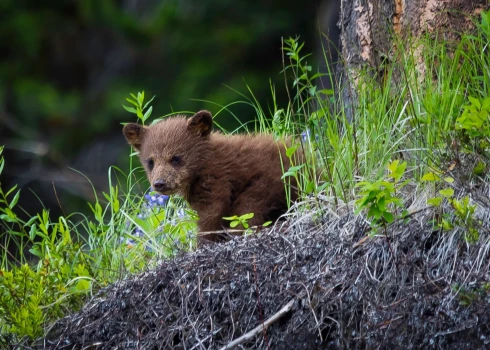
67 65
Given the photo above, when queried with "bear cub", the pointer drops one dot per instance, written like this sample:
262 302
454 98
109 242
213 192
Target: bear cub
218 175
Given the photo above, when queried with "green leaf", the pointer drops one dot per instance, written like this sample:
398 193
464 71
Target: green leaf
31 221
234 217
448 192
374 212
449 180
388 185
396 201
393 165
32 232
82 286
106 196
364 184
16 233
129 109
98 212
147 103
430 177
486 103
35 251
234 224
388 217
133 102
290 151
7 218
400 170
435 201
247 216
312 90
327 92
116 205
475 102
14 200
11 190
479 168
310 186
361 203
140 98
292 171
296 168
139 114
147 114
318 114
322 187
446 225
317 75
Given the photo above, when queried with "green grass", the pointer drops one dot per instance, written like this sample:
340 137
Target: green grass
414 117
408 111
69 258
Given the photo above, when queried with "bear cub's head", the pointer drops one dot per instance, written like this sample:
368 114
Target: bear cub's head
172 151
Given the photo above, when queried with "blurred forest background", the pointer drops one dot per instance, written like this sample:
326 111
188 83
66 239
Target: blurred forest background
66 67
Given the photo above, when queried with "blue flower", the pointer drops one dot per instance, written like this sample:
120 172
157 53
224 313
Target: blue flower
162 200
153 203
306 136
156 200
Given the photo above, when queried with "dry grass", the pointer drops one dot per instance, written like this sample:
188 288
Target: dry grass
414 288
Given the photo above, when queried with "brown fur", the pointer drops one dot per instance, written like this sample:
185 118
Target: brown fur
218 175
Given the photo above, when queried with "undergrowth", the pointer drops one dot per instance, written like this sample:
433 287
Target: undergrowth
411 128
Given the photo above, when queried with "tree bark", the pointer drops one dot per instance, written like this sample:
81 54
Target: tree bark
368 27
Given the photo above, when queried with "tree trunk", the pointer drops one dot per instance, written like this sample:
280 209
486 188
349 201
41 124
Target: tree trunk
368 28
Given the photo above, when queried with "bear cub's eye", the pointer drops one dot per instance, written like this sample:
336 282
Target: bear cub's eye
150 163
175 160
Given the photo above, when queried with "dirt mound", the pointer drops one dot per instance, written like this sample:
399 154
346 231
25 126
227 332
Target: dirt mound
317 282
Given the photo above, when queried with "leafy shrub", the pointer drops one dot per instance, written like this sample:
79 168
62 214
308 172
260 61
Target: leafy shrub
380 198
32 294
68 260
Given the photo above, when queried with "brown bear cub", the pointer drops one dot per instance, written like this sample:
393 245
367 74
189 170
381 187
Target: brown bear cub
218 175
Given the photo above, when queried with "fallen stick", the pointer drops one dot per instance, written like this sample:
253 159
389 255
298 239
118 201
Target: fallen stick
286 308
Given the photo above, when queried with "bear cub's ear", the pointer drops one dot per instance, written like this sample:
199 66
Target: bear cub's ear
134 133
201 123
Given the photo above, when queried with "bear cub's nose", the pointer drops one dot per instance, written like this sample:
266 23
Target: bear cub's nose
159 185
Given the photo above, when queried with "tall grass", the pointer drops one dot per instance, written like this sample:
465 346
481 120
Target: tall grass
406 110
50 265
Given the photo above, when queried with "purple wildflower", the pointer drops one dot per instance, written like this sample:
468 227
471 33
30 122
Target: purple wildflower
306 136
153 202
162 200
